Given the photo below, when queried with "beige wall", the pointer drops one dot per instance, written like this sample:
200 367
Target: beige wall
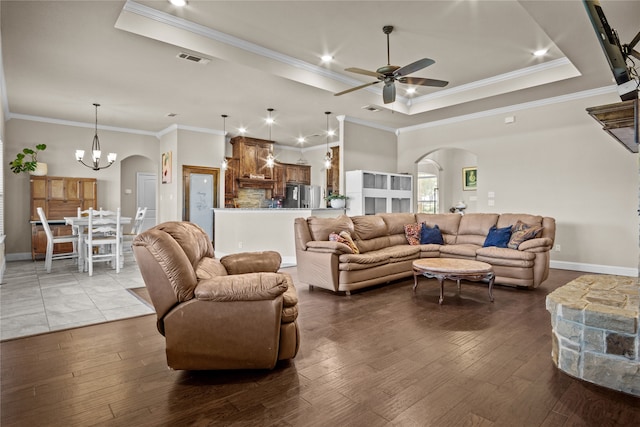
62 141
368 149
168 209
129 181
555 161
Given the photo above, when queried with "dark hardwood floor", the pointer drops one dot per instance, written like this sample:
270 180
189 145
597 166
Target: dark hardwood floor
379 357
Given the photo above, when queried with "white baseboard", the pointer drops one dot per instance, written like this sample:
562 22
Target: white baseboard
594 268
20 256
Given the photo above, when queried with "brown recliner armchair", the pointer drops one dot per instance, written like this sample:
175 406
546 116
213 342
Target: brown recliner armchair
234 313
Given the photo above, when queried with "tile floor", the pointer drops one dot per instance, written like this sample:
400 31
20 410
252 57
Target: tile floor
33 301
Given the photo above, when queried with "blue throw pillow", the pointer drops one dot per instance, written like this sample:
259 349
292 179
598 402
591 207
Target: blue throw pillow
430 235
498 237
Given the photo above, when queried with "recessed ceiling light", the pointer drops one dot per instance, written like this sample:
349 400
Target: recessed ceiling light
242 130
301 139
326 58
411 91
331 132
179 3
540 52
172 114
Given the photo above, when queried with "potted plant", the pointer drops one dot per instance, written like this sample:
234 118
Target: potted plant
27 161
336 200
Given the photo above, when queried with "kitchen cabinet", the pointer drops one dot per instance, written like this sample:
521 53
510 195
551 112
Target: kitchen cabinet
280 186
252 155
231 181
333 174
297 174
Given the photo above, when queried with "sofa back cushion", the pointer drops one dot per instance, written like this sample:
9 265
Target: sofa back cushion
320 228
508 219
447 223
474 227
371 232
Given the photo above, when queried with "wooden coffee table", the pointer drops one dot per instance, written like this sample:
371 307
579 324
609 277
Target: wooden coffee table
453 269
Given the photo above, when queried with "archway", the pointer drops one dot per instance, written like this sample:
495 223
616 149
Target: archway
446 165
130 167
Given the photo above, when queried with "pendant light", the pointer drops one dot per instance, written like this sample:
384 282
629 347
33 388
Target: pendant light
270 159
327 157
95 151
224 164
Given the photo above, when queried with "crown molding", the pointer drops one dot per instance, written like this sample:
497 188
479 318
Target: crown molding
78 124
512 108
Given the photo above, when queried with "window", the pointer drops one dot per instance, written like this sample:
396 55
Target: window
428 197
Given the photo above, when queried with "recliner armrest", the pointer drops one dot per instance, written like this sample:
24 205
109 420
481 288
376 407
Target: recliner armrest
242 287
252 262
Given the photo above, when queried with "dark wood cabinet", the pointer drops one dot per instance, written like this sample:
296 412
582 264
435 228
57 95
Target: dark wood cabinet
297 174
252 154
231 181
58 197
333 174
280 186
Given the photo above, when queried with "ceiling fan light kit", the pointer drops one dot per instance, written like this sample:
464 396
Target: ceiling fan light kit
390 74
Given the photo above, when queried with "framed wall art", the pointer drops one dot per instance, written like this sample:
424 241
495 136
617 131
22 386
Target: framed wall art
469 178
166 167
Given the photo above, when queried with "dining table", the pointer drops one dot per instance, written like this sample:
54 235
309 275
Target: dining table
79 225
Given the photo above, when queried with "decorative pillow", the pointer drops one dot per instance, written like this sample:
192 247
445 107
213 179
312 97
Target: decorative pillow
335 237
412 232
208 268
498 237
521 232
346 236
429 235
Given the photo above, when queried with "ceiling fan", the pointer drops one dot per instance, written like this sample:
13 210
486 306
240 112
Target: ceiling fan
389 74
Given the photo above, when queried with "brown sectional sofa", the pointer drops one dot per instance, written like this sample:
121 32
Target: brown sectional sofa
386 255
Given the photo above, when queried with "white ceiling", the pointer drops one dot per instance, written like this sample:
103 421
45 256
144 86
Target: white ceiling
60 57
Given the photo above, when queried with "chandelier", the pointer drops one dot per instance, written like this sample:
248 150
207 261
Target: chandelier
327 157
270 159
95 151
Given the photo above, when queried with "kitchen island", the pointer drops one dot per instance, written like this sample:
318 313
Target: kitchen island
251 230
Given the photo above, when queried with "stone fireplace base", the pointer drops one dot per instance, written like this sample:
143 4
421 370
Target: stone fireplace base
594 319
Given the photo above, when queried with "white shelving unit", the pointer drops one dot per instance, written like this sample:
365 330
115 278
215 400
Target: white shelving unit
376 192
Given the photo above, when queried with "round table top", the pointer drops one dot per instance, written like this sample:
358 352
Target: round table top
451 265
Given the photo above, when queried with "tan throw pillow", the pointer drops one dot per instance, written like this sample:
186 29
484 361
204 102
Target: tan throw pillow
335 237
412 232
521 232
208 268
346 236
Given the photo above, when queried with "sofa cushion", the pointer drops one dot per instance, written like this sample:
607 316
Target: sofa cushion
448 224
402 252
321 227
252 262
412 233
369 226
498 237
474 227
430 235
361 261
511 219
209 268
522 232
461 250
396 221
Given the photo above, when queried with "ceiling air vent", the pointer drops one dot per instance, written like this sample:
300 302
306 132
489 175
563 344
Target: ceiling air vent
371 108
193 58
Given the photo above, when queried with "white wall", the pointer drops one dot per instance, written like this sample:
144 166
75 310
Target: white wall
62 141
366 148
555 160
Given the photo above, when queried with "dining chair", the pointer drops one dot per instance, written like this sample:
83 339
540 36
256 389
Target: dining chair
103 242
53 240
136 228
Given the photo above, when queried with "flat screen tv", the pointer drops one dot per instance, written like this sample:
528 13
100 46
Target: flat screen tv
627 87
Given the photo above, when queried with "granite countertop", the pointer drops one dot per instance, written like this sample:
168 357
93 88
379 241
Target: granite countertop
278 209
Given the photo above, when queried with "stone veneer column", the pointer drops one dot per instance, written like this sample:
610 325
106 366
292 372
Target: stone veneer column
595 330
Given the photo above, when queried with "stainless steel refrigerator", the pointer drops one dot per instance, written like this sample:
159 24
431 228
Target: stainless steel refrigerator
302 196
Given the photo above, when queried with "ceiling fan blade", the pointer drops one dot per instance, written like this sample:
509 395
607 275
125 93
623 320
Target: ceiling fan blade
355 88
361 71
423 82
413 67
389 93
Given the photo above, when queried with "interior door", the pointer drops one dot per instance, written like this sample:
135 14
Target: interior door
201 196
146 197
